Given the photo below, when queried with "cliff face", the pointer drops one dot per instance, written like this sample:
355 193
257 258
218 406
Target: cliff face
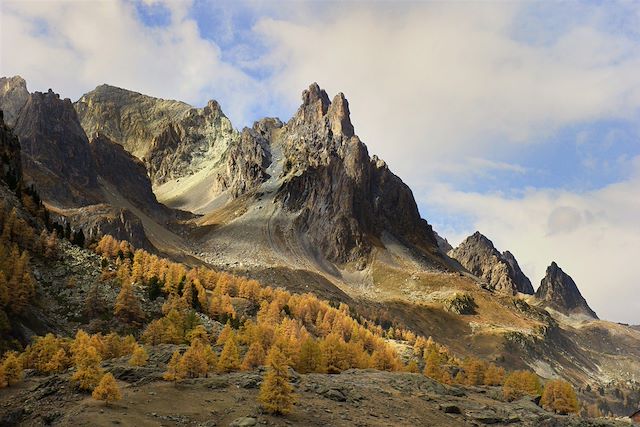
126 173
523 284
501 272
559 291
55 151
346 200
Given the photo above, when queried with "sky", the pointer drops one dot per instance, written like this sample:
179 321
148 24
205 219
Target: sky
518 119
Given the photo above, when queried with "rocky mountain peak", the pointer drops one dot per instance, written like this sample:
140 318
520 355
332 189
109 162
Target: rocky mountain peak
559 291
502 273
55 151
315 103
13 96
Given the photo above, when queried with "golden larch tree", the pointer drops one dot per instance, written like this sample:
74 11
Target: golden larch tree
276 393
560 397
139 357
88 371
127 307
229 358
254 357
107 390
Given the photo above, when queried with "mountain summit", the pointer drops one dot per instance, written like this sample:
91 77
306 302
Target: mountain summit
500 271
559 291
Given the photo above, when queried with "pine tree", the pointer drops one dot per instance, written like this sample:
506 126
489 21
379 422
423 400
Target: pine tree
276 393
139 356
107 390
88 370
127 307
173 368
229 358
12 368
254 357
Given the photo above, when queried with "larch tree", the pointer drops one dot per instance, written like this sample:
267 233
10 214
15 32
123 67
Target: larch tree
127 307
139 356
193 363
229 358
107 390
12 369
255 357
173 368
560 397
276 393
310 359
88 371
521 383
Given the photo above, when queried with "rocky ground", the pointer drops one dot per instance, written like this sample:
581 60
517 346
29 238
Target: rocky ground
353 398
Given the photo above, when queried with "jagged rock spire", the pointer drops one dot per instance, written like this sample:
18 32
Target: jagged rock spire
560 292
501 271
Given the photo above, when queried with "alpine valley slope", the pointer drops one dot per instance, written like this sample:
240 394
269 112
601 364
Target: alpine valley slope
302 205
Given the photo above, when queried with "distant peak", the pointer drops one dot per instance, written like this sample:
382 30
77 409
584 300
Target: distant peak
559 290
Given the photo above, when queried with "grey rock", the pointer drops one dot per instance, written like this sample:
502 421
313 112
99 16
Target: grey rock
501 273
244 422
559 291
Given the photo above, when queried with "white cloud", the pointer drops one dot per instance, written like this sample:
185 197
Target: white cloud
438 80
594 237
72 46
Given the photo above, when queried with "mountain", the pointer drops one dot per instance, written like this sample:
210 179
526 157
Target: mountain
501 272
559 291
96 184
300 205
333 203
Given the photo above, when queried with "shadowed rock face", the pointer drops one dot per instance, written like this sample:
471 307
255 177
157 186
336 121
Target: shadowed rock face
10 164
501 271
13 96
559 291
345 199
124 172
55 151
523 284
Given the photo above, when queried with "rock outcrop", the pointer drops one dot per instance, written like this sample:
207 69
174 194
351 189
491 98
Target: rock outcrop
345 200
13 96
55 151
559 291
500 271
